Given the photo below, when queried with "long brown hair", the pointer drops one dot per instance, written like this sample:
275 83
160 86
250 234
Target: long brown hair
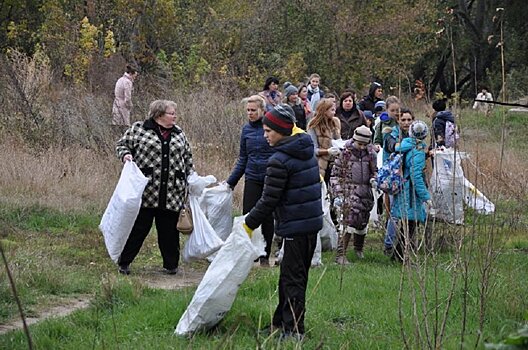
320 120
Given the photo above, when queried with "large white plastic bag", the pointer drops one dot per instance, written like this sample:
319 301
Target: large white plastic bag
122 210
217 204
477 200
217 290
328 234
447 186
203 240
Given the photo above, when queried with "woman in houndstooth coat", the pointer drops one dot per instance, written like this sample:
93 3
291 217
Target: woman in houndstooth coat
161 150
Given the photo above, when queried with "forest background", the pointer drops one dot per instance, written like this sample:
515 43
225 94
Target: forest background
234 45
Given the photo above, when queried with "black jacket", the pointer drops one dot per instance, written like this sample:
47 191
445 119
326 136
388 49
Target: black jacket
368 102
292 189
439 126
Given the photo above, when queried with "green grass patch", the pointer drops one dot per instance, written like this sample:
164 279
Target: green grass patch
351 308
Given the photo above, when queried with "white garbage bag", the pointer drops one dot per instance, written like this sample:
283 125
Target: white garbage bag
328 234
203 241
477 200
447 186
316 258
122 210
217 290
217 204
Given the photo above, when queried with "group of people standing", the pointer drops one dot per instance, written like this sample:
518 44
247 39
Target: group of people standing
293 141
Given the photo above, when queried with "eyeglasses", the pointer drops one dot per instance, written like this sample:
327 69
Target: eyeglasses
171 113
251 110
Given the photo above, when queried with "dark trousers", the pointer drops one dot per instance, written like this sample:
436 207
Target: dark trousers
168 236
293 280
400 245
252 193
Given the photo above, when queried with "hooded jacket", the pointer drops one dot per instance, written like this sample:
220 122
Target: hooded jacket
409 203
385 121
292 189
368 102
253 155
439 126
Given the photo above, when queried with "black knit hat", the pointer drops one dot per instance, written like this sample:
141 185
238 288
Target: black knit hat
280 119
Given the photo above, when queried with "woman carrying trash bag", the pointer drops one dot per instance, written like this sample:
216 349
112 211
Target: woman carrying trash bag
161 150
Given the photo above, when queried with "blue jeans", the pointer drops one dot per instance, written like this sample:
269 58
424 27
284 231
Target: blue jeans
390 233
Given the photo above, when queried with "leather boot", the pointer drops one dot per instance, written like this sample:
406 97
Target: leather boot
359 242
342 246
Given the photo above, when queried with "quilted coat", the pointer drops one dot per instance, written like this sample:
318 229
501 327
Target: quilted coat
350 181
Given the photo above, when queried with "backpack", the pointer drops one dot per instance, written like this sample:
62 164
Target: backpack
390 177
451 134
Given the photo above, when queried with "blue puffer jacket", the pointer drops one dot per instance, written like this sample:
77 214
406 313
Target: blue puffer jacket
292 189
254 154
409 203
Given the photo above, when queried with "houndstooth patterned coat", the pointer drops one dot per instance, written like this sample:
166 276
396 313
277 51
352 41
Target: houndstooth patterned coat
166 163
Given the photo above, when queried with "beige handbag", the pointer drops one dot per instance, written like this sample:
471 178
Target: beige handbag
185 221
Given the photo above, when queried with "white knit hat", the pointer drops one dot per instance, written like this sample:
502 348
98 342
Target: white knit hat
418 130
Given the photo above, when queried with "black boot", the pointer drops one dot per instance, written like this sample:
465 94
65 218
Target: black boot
359 242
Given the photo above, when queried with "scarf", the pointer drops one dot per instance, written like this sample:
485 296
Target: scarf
316 96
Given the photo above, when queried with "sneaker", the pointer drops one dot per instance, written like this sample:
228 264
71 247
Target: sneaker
269 330
289 335
171 271
342 260
388 251
264 262
124 269
359 254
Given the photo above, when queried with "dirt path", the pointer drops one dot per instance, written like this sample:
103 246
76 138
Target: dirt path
66 307
186 277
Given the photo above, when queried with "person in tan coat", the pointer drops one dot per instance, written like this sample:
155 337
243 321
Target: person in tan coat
123 97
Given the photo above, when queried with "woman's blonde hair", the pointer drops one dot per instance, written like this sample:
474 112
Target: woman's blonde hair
390 101
320 120
258 100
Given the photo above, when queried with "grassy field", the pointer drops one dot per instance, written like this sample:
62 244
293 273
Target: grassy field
56 255
51 203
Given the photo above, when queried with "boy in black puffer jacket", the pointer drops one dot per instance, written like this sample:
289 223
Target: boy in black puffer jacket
292 190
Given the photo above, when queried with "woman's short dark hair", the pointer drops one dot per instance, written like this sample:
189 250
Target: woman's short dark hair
131 69
404 110
269 81
346 94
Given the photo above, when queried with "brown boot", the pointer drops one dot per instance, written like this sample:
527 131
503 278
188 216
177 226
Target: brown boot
359 242
341 258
